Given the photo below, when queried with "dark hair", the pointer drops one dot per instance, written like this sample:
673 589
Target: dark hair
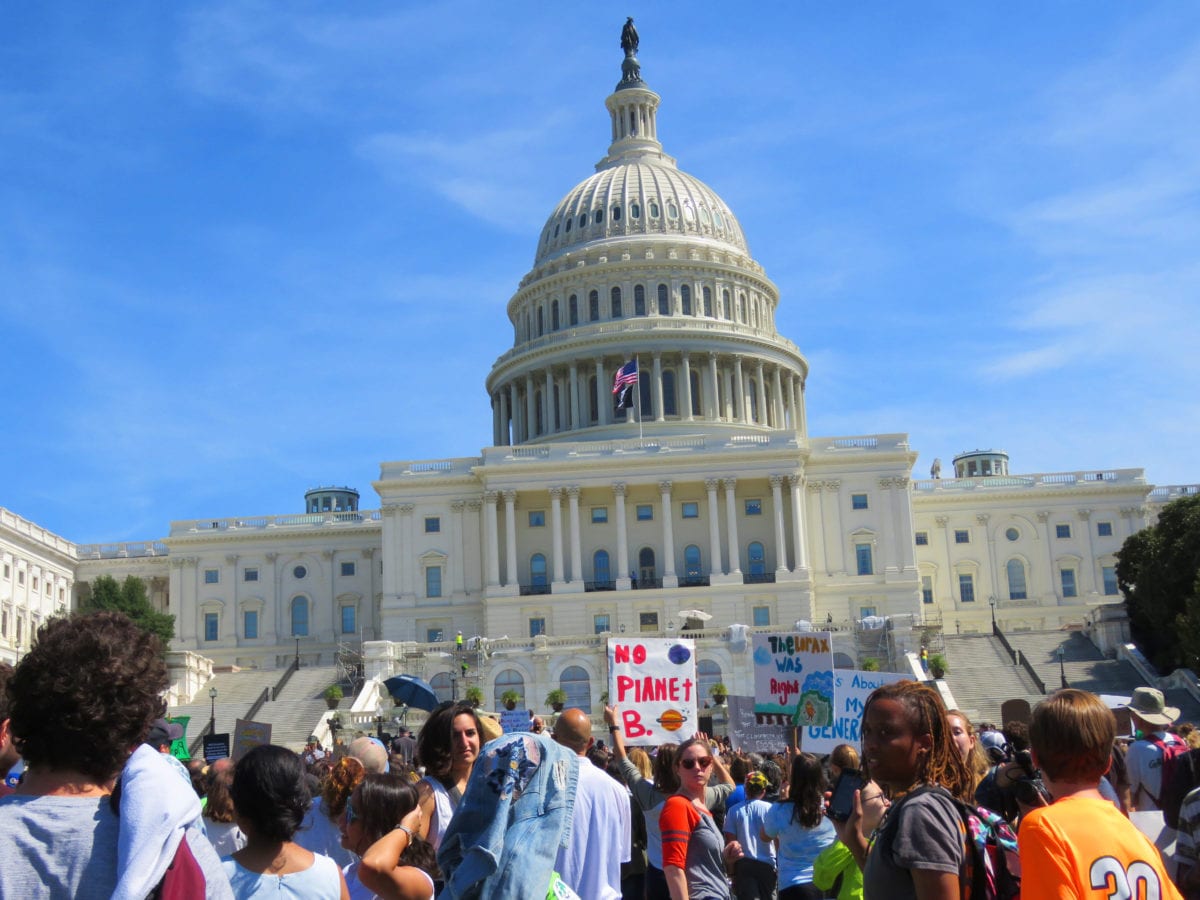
435 742
383 800
219 807
5 674
269 792
739 769
85 694
806 787
665 778
1017 735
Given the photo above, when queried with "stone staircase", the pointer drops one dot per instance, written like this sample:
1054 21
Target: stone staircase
292 717
981 675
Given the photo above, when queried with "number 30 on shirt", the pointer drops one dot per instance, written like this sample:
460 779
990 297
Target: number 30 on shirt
1138 881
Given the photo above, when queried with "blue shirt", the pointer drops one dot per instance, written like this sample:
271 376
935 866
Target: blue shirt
798 846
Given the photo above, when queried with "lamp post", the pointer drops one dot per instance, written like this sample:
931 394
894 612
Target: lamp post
992 604
1062 670
212 713
297 637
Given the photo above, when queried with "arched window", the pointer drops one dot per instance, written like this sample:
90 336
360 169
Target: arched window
554 316
509 680
442 686
599 216
537 570
540 322
708 310
300 617
578 687
691 561
647 574
635 211
616 214
639 300
758 559
616 302
664 300
594 306
685 299
593 412
741 308
573 310
601 573
708 673
1016 580
670 407
694 376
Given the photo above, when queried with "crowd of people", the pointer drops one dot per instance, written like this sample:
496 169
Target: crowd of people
934 808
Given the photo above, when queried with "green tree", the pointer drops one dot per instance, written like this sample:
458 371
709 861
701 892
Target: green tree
1158 570
130 598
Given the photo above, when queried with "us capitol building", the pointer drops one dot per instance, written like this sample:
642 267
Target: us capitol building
707 507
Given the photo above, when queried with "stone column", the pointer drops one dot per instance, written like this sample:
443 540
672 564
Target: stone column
789 396
712 409
739 380
1043 517
407 577
777 397
656 390
1089 563
669 577
510 539
548 404
735 554
491 531
714 526
801 411
556 573
458 565
530 412
574 399
761 418
623 582
576 547
839 551
799 538
776 482
686 368
727 377
496 419
505 440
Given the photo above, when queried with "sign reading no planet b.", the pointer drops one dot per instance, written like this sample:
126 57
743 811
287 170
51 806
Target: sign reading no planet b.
793 678
653 683
850 691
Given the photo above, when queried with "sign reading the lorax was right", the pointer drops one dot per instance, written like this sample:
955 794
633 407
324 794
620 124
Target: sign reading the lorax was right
793 677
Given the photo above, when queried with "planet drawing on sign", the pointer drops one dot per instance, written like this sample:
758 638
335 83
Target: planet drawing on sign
671 719
679 654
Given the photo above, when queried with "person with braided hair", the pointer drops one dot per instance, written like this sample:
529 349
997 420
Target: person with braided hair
918 850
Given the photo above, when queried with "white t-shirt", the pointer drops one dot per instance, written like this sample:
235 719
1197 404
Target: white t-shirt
590 864
1143 762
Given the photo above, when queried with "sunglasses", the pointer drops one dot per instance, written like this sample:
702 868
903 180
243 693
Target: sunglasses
702 762
351 816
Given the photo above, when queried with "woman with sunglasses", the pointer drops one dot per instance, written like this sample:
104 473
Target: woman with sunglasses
379 825
692 844
801 827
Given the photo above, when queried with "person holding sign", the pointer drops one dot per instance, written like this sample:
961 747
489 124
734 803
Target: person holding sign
692 844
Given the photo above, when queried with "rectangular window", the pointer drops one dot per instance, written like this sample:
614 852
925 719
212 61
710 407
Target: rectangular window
648 621
599 515
433 581
858 501
866 612
35 583
20 576
249 574
753 507
926 588
250 624
645 512
349 620
691 510
433 524
1104 529
537 518
537 625
1068 582
862 555
600 624
212 576
7 572
762 616
1109 575
4 623
210 626
962 536
922 538
966 588
1062 531
347 569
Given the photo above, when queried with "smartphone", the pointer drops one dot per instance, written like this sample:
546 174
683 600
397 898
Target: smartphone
841 804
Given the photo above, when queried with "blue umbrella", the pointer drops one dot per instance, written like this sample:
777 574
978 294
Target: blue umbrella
412 690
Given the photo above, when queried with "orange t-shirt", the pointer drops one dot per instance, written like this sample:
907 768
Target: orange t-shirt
1082 848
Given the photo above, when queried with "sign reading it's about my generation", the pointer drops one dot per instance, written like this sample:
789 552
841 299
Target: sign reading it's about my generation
653 683
850 691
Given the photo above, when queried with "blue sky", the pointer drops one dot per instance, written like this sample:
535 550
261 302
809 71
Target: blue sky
249 248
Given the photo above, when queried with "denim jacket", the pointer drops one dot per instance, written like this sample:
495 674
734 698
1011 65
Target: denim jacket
513 817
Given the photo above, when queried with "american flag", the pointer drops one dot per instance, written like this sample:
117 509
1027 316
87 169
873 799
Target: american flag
624 384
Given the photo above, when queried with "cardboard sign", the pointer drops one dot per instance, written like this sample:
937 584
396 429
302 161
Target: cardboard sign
747 735
653 683
247 735
216 746
850 691
793 678
515 720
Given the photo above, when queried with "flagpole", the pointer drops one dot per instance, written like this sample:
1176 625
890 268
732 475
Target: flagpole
638 402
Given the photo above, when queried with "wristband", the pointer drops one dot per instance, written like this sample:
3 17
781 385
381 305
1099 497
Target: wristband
613 729
407 831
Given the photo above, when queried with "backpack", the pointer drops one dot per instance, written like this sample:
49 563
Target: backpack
1184 779
991 869
1171 754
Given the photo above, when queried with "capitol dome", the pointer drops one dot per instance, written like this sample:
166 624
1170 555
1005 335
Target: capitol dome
641 264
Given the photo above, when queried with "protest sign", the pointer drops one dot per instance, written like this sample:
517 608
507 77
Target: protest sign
653 682
216 746
793 678
179 746
850 691
515 720
247 735
747 735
